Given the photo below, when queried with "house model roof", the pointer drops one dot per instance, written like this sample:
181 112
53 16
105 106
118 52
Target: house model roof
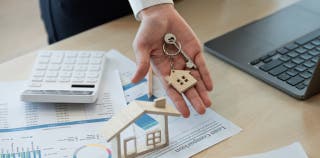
133 111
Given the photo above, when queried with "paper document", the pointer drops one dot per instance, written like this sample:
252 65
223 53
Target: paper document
16 115
187 136
294 150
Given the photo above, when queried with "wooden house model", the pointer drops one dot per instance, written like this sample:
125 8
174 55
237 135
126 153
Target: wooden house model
152 140
181 80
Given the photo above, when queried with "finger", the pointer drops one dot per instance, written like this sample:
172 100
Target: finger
143 64
195 100
204 72
201 89
179 102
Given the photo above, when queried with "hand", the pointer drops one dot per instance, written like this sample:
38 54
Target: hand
156 21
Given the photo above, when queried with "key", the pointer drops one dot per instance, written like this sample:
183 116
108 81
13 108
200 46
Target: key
170 38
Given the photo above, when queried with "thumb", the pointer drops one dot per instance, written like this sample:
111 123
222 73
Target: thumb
143 64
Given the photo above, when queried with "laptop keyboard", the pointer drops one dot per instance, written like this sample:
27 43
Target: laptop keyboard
294 63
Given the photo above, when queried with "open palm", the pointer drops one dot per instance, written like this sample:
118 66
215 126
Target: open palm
156 22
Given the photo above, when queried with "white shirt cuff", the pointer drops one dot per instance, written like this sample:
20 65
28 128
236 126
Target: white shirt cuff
138 5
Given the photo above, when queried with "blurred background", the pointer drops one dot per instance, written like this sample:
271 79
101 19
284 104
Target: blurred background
21 28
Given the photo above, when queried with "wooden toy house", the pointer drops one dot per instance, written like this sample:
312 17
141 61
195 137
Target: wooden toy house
181 80
153 140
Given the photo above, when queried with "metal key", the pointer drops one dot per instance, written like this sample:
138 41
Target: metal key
171 39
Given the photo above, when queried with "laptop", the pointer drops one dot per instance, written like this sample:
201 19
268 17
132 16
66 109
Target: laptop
282 49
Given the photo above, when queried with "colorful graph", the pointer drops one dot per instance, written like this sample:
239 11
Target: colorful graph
92 150
20 152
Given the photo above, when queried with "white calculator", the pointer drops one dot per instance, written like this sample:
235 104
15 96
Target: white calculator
65 77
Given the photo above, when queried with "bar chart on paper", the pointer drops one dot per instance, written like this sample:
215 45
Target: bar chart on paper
18 151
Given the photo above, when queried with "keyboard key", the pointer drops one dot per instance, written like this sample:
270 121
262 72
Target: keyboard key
305 56
306 75
314 52
309 46
292 54
51 79
295 80
96 61
289 64
315 59
97 55
91 80
81 67
284 58
301 86
306 82
292 72
309 64
284 77
35 85
316 42
79 75
84 55
301 50
278 70
83 61
270 65
291 46
71 54
311 70
267 60
300 68
77 80
92 75
45 54
272 53
255 62
297 60
282 51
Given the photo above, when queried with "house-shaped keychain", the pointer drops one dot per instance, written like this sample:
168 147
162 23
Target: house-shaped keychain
181 80
153 140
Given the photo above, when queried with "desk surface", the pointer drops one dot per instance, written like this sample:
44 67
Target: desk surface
268 117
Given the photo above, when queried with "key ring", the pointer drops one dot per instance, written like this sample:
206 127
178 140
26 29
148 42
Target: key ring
172 54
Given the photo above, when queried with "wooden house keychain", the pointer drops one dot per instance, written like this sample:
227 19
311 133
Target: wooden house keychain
181 80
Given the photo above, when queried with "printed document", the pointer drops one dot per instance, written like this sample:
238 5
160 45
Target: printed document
294 150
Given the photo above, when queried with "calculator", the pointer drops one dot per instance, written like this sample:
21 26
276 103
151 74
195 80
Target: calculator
65 77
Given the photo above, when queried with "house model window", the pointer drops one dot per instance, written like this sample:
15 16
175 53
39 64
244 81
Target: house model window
153 140
181 80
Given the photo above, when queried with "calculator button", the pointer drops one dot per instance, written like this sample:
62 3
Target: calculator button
83 61
79 75
71 54
91 80
69 61
96 61
77 80
52 74
35 85
44 60
84 54
37 79
97 55
42 67
92 75
67 67
64 80
65 74
39 74
45 54
51 79
94 68
54 67
81 68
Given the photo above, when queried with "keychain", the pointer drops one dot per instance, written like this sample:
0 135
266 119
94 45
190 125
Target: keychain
181 80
